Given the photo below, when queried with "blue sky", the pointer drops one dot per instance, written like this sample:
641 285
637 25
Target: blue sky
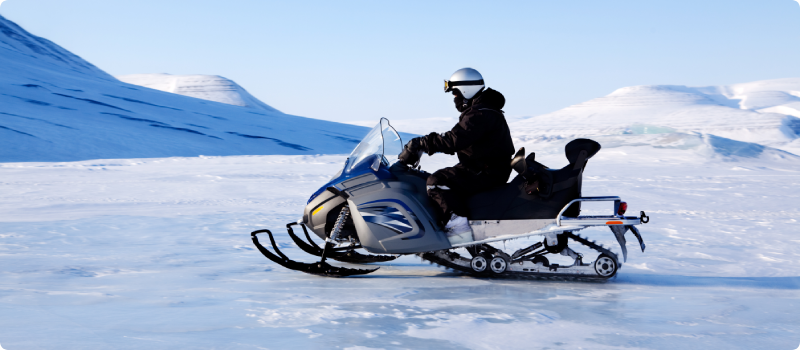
361 60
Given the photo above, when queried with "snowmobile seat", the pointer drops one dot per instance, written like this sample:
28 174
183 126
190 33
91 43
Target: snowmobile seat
537 192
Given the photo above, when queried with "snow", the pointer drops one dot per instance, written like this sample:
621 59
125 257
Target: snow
155 253
116 232
207 87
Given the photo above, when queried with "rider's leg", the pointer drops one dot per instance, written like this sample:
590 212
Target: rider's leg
445 187
451 187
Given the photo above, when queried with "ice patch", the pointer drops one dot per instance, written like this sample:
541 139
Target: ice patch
373 334
475 331
303 317
310 333
642 266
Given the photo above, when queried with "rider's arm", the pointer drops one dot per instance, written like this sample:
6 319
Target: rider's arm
472 127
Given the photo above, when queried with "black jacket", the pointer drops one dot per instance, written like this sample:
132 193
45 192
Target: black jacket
481 138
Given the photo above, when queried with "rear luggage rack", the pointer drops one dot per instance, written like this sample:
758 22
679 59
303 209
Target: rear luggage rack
596 220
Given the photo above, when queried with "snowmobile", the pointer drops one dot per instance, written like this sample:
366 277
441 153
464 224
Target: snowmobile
382 207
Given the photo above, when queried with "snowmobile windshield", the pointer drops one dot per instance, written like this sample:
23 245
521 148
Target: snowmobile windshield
381 146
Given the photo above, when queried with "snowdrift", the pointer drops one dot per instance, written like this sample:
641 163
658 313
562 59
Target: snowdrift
54 106
207 87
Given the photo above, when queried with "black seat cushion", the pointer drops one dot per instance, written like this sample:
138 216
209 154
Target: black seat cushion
512 202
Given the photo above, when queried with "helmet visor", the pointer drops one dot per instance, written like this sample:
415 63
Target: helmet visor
449 85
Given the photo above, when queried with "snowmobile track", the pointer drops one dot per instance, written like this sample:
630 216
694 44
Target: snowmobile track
553 276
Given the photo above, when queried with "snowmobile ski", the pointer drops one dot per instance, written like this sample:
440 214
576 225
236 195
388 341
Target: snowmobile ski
320 268
344 254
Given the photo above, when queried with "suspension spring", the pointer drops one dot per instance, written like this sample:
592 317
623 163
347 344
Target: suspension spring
339 225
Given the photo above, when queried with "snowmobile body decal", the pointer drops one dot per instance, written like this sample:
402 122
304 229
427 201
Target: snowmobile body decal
390 217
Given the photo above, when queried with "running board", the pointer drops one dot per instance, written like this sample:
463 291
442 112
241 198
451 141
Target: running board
487 231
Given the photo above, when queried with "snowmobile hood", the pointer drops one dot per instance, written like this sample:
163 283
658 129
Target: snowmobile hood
490 98
382 174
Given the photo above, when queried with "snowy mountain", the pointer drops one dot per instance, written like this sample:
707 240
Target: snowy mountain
54 106
764 112
750 120
207 87
24 51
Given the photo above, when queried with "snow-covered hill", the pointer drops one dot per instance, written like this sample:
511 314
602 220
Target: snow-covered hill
20 50
207 87
54 106
763 112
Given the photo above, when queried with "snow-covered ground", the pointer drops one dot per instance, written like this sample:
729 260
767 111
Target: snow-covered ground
155 254
208 87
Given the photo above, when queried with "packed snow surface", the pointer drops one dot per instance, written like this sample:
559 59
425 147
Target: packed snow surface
156 254
207 87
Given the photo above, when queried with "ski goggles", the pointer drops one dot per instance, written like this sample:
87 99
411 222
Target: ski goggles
449 85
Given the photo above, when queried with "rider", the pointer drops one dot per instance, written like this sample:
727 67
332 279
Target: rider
483 144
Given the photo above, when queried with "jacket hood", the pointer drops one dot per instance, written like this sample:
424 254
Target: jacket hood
490 98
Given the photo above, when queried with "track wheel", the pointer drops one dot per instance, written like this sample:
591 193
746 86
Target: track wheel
498 265
479 264
605 266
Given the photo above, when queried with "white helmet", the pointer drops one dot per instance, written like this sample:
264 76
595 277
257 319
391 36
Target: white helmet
466 80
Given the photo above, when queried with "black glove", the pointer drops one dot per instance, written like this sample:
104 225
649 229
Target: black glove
412 152
459 101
